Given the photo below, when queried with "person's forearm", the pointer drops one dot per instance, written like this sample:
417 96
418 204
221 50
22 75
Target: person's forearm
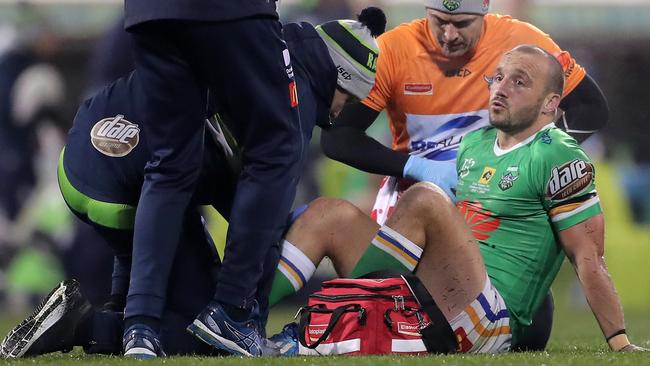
353 147
601 294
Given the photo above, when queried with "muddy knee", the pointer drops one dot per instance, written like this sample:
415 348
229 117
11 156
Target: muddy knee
337 226
425 200
326 213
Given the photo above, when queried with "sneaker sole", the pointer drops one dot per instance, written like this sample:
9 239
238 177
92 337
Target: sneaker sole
140 353
37 324
199 330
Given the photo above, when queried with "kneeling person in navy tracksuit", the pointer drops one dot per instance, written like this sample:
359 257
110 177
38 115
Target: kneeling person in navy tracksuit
181 49
101 171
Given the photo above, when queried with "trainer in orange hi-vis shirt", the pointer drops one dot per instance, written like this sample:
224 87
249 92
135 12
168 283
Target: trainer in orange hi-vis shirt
433 101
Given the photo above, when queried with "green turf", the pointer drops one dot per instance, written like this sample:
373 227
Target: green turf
576 340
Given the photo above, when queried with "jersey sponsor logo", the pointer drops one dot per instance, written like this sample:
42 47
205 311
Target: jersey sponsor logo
481 221
451 5
293 94
486 176
468 163
115 136
436 146
569 179
434 134
418 89
344 73
460 73
287 63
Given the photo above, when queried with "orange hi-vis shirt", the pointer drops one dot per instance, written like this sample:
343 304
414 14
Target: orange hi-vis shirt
433 101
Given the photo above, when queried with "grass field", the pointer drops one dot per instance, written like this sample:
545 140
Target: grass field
576 340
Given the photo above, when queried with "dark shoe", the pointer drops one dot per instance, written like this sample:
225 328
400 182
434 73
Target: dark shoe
142 343
214 327
51 327
286 342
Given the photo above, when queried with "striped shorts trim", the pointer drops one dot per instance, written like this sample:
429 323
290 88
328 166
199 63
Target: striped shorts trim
484 325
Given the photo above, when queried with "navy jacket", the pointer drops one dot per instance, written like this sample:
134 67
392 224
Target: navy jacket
315 72
119 179
140 11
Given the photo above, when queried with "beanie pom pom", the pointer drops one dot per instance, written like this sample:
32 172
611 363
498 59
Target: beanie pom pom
373 18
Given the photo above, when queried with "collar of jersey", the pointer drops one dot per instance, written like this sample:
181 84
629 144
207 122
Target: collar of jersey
500 152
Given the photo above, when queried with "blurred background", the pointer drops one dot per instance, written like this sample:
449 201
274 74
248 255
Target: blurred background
54 53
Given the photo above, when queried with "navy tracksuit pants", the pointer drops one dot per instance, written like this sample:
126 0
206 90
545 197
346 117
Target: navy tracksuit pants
242 62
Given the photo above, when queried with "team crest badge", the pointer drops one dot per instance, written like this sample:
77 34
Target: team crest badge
451 5
507 180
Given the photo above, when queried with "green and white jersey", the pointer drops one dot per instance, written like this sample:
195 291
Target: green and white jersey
516 201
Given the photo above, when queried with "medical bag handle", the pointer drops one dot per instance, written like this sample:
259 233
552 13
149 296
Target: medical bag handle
305 317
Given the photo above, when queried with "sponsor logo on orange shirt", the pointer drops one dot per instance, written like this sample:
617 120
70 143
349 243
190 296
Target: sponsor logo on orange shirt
418 89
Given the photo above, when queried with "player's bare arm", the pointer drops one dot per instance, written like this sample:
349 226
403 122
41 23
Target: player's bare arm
584 245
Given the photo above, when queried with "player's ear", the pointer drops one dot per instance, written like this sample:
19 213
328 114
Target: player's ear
551 104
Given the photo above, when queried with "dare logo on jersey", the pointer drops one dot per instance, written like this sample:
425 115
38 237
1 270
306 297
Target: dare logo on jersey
115 136
569 179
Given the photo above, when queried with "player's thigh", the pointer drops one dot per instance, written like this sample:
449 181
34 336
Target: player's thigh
334 228
451 266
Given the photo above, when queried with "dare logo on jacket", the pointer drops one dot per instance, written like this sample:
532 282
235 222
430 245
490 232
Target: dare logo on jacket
115 136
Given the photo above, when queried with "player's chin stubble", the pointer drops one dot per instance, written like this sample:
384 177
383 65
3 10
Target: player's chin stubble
516 122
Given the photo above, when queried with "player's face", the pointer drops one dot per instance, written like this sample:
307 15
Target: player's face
341 98
517 92
456 34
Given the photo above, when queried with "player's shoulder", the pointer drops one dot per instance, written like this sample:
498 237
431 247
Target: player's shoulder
552 144
404 35
479 137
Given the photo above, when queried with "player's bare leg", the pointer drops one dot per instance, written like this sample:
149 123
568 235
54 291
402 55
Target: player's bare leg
333 228
451 267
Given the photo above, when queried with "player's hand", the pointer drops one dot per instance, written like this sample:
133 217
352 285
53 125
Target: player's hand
632 348
441 173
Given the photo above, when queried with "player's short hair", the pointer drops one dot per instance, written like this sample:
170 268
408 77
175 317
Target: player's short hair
555 77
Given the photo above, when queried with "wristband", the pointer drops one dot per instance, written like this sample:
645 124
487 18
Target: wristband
618 340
